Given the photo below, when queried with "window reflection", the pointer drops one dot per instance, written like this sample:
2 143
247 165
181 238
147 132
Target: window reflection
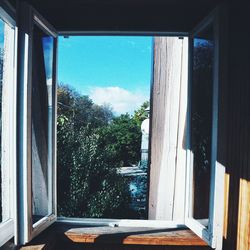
201 120
42 124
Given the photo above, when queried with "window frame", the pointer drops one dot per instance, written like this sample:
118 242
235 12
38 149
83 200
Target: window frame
26 229
171 224
212 234
7 228
40 225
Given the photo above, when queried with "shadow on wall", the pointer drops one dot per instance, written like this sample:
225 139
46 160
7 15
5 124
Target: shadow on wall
237 139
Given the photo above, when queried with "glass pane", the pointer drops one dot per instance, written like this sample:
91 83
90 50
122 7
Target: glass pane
201 120
103 126
1 87
6 113
42 124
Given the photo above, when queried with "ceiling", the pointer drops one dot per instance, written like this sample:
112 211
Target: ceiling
124 15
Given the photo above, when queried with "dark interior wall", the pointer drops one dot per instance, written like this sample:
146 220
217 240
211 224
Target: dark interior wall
124 15
237 221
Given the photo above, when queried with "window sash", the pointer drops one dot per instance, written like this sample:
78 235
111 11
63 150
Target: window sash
211 231
26 229
8 126
6 231
46 221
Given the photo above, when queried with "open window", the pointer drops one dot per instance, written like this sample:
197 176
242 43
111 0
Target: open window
36 105
37 129
205 176
7 124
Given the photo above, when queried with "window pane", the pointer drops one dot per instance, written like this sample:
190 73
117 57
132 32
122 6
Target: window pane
1 90
42 124
6 118
103 126
201 120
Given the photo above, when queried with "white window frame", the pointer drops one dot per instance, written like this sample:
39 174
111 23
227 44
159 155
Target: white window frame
211 229
170 224
7 227
26 229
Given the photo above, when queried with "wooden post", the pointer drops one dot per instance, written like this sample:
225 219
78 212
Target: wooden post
167 172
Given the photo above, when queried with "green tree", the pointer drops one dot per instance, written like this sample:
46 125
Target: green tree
81 110
88 181
122 139
92 145
141 114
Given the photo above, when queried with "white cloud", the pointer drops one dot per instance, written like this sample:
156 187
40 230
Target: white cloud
121 100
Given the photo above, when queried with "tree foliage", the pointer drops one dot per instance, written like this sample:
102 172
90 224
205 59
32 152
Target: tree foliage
92 145
141 114
122 138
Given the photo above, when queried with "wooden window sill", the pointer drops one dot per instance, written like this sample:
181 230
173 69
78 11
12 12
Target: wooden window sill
68 235
134 236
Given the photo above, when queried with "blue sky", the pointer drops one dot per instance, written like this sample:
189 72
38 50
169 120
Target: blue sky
114 69
48 55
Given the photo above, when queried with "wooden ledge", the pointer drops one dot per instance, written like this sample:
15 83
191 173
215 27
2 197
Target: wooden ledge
134 236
